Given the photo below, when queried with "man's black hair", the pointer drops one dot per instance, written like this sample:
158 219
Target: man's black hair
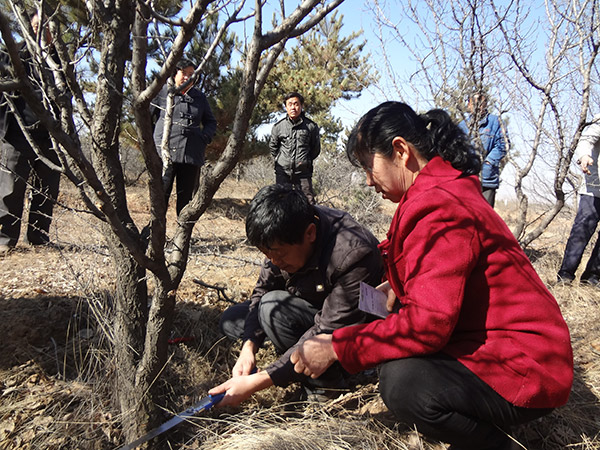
293 95
183 63
279 214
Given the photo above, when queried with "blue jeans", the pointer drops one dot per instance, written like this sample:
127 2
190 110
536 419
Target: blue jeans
448 402
584 226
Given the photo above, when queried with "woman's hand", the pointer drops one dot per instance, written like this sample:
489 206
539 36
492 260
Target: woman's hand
246 362
240 388
390 294
314 356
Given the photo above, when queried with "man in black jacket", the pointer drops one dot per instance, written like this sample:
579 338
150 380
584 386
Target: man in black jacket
193 126
295 143
20 163
308 284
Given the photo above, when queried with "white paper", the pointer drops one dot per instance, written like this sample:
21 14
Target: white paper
372 301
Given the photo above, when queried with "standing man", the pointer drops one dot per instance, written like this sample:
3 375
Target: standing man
295 143
308 284
588 213
193 126
488 138
19 161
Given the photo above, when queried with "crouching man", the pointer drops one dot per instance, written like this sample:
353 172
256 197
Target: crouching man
309 283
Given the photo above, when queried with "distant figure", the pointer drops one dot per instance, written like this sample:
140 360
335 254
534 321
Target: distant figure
488 138
19 162
309 283
192 128
588 213
478 344
295 143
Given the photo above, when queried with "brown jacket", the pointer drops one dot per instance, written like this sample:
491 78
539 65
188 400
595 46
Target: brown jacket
346 254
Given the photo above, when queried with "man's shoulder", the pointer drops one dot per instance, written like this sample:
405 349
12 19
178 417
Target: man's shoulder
309 122
345 227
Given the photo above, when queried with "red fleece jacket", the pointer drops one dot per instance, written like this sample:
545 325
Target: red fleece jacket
467 289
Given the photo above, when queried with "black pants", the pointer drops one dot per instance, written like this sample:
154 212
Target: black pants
304 182
490 195
284 319
18 164
186 178
584 226
447 402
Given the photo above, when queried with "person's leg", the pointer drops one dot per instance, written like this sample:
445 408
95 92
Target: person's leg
44 193
281 177
592 268
14 171
187 176
285 318
233 319
490 195
583 227
447 402
307 187
168 178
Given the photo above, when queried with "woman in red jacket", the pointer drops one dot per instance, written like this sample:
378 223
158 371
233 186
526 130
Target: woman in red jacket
478 344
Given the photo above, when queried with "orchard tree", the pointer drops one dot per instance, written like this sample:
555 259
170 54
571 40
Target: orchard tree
539 65
113 37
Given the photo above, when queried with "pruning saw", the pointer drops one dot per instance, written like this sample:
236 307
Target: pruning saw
204 404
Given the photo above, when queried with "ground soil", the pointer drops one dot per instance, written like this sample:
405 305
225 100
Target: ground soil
51 297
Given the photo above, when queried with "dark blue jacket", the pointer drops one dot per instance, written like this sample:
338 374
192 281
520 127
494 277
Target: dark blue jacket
193 125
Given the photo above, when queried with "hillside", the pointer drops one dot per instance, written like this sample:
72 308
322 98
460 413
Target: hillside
55 370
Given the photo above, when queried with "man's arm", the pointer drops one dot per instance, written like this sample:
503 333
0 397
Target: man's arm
315 145
209 123
585 146
498 150
275 141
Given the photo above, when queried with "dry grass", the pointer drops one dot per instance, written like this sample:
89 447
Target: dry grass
56 371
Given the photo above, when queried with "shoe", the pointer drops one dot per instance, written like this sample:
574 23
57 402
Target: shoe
321 394
564 278
592 280
5 249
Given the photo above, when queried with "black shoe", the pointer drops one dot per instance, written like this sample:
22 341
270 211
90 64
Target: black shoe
592 280
564 278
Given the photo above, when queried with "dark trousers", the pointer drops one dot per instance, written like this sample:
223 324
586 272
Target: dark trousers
304 182
186 178
489 194
584 226
284 318
447 402
18 164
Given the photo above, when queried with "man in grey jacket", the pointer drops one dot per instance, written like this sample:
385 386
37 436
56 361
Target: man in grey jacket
309 284
295 143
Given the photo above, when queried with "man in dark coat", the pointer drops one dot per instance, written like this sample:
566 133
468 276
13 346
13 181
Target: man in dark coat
20 163
193 126
309 283
295 143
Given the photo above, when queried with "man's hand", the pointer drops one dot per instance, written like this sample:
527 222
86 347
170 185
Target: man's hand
246 361
240 388
585 162
314 356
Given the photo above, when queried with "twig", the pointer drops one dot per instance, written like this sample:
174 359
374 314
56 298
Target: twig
220 290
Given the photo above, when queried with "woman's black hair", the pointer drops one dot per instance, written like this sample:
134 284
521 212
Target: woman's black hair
279 214
431 134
